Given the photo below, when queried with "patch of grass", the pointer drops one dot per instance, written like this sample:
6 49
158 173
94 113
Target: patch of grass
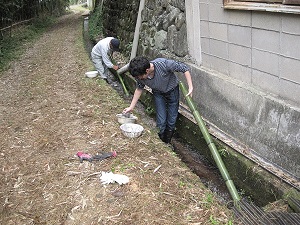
213 220
223 152
124 167
96 24
182 184
12 47
208 202
118 165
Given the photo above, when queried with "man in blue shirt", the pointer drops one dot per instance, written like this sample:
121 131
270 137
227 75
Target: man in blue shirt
159 75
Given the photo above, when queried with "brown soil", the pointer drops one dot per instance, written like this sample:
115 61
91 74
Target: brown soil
49 111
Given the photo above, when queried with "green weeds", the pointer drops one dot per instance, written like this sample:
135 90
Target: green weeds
95 24
121 167
209 200
213 220
181 184
223 152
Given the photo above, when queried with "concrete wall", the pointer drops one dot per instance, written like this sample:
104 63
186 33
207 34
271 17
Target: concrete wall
259 48
245 70
248 84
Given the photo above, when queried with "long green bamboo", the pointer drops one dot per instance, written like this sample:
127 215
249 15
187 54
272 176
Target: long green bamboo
217 158
119 72
123 85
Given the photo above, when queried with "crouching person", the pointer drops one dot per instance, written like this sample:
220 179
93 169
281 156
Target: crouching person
159 75
101 54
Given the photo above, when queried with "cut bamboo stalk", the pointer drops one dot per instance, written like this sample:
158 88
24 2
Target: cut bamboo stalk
216 156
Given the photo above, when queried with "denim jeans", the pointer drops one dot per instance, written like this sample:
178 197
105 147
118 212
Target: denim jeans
167 105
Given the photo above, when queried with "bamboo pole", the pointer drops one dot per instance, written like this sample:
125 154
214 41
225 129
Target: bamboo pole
217 158
123 85
119 72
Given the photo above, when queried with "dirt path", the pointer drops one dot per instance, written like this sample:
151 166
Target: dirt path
48 112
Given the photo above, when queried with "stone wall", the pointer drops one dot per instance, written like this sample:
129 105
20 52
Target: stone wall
119 19
163 30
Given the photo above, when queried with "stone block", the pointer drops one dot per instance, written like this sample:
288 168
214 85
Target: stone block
206 60
204 30
266 40
205 45
266 82
266 62
239 35
290 70
240 72
240 18
174 13
290 24
172 33
160 39
180 47
218 31
219 48
216 13
220 65
179 4
239 54
266 20
180 20
203 11
290 91
290 46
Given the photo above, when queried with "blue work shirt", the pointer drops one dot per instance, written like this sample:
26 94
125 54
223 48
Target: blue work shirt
164 78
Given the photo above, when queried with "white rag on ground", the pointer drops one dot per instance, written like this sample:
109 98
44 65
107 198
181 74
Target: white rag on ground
109 177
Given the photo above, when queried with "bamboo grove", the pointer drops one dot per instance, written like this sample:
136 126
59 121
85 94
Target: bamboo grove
13 11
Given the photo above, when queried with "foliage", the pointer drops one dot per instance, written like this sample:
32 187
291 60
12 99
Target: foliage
13 11
39 12
11 47
96 24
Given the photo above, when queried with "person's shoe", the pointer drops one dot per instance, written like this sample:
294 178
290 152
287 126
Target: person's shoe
168 136
104 78
161 136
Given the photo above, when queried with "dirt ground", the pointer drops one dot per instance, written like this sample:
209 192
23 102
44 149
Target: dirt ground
49 111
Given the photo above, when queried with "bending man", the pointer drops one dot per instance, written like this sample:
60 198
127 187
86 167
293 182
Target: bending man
101 54
160 77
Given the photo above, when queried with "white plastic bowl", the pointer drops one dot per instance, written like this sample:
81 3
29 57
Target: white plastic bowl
123 119
131 130
91 74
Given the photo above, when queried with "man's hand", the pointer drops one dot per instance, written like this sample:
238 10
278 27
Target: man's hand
190 92
127 110
115 67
